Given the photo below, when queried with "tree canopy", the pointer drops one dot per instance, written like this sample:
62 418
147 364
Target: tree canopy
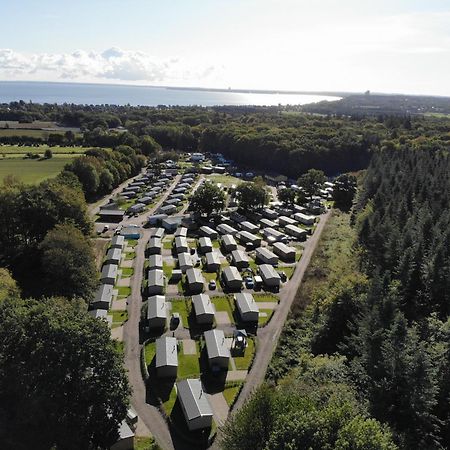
62 381
208 199
251 196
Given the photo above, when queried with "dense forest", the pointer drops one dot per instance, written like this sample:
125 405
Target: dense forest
371 322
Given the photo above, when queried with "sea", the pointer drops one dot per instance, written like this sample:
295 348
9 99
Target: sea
113 94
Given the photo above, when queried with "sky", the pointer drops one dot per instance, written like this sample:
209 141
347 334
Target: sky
400 46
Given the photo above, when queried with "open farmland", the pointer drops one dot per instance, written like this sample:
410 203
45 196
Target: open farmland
31 171
12 151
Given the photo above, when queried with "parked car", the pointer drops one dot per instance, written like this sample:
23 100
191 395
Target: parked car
283 276
249 284
175 320
212 285
105 228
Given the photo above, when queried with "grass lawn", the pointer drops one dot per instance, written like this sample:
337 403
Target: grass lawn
182 307
167 244
32 171
243 362
298 255
170 402
40 150
127 272
188 365
132 243
167 269
230 394
253 265
145 443
216 244
223 303
126 204
265 298
288 270
263 320
130 255
119 317
226 180
124 291
150 352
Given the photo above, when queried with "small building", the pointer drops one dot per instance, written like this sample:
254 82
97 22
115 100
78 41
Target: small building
304 219
197 157
194 280
155 262
249 227
208 232
205 245
248 238
269 275
285 252
269 213
136 208
247 307
101 314
130 232
271 235
181 245
117 241
240 259
232 278
155 284
146 200
216 348
125 440
229 243
212 262
170 224
267 223
111 215
181 231
166 358
157 232
103 297
113 256
204 309
156 311
168 209
265 256
109 274
297 232
154 246
223 229
284 220
155 219
194 404
184 261
180 196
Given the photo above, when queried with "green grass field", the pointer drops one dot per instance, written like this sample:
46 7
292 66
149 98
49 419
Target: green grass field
32 171
23 150
225 180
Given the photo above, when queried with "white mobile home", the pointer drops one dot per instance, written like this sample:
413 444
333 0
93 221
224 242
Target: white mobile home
297 232
184 261
154 246
205 245
216 348
155 262
113 256
155 282
208 232
103 297
284 220
248 238
267 223
249 227
223 228
269 275
240 259
194 280
232 278
181 245
269 213
212 262
247 307
285 252
117 242
156 311
204 309
265 256
304 218
109 274
228 243
272 235
166 358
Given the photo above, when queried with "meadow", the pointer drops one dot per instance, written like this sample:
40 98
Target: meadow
32 171
15 151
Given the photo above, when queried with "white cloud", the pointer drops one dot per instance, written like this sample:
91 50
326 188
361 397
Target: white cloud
113 64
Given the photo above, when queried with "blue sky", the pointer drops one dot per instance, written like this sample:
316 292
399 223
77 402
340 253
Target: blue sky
353 45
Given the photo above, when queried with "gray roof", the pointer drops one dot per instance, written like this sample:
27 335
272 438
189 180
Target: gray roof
223 228
193 398
216 345
157 307
228 240
202 304
181 241
268 272
109 271
155 261
268 222
249 225
231 273
98 313
272 232
265 253
104 293
194 276
249 236
239 256
156 277
166 352
246 303
182 231
157 232
154 242
114 254
184 259
111 212
205 242
208 231
283 248
212 258
117 240
296 230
